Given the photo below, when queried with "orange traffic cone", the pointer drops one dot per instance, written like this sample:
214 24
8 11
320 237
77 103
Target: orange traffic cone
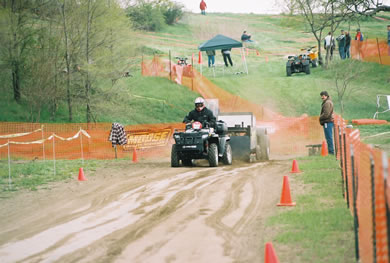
81 175
324 149
266 59
270 255
135 158
257 53
295 168
285 199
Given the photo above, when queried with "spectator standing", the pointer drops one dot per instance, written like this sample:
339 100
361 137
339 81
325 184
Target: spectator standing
226 57
341 41
326 119
211 57
347 45
388 40
203 7
359 35
329 45
245 37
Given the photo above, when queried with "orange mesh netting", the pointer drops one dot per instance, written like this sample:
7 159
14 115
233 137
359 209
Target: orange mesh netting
365 173
300 130
371 50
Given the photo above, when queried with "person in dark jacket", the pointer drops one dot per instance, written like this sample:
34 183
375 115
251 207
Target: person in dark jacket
326 119
347 45
201 114
226 57
341 41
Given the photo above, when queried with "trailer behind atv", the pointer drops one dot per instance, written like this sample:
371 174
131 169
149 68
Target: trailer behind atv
248 142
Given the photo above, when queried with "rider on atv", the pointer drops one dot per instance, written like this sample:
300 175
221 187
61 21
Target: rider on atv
201 114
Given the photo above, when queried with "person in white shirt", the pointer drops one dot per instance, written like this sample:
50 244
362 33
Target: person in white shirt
329 43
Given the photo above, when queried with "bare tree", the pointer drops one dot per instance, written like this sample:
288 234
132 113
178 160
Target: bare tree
320 15
344 72
288 6
366 7
16 38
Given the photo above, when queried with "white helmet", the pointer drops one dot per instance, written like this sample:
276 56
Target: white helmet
199 100
199 103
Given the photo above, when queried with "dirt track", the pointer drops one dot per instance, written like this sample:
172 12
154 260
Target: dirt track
146 212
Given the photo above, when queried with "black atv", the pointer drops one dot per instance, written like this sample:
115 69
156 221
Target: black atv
297 64
200 141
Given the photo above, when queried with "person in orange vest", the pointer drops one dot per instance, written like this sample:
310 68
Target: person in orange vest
359 35
203 7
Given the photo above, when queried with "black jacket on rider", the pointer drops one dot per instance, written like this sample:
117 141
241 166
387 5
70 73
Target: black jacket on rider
203 116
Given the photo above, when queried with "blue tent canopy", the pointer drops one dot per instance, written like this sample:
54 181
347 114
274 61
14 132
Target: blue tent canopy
220 42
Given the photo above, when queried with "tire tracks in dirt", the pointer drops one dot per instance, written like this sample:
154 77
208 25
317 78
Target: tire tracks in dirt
152 214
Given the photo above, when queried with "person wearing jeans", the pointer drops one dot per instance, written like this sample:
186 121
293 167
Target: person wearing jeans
326 119
342 41
211 57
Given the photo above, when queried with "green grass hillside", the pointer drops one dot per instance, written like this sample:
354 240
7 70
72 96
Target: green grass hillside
153 100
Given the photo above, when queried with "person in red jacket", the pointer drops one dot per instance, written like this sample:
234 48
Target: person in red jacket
203 7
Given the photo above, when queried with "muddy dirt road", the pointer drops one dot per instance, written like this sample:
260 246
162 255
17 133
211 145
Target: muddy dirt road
146 212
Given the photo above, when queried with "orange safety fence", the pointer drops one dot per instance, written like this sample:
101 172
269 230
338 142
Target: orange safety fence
371 50
366 189
303 130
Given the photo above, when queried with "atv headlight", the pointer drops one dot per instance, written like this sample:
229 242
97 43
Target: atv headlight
205 136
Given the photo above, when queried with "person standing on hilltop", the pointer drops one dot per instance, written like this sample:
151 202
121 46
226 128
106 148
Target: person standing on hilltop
203 7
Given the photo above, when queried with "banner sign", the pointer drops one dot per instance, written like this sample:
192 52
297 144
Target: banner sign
146 139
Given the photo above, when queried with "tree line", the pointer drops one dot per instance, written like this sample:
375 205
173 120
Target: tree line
60 51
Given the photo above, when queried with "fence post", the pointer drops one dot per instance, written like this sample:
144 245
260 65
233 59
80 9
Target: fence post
43 143
346 167
170 66
54 155
379 51
342 161
9 167
372 174
354 191
81 143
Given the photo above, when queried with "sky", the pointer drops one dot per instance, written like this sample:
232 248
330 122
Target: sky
239 6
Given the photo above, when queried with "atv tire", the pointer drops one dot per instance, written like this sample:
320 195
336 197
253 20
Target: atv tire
288 71
307 69
258 150
175 161
213 155
227 157
263 144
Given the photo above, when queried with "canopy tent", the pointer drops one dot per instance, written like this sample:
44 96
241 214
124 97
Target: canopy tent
219 42
223 42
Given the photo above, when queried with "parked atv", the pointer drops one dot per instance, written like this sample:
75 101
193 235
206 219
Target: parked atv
297 64
312 54
200 141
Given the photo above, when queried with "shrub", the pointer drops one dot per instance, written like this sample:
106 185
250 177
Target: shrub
146 16
172 12
153 15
